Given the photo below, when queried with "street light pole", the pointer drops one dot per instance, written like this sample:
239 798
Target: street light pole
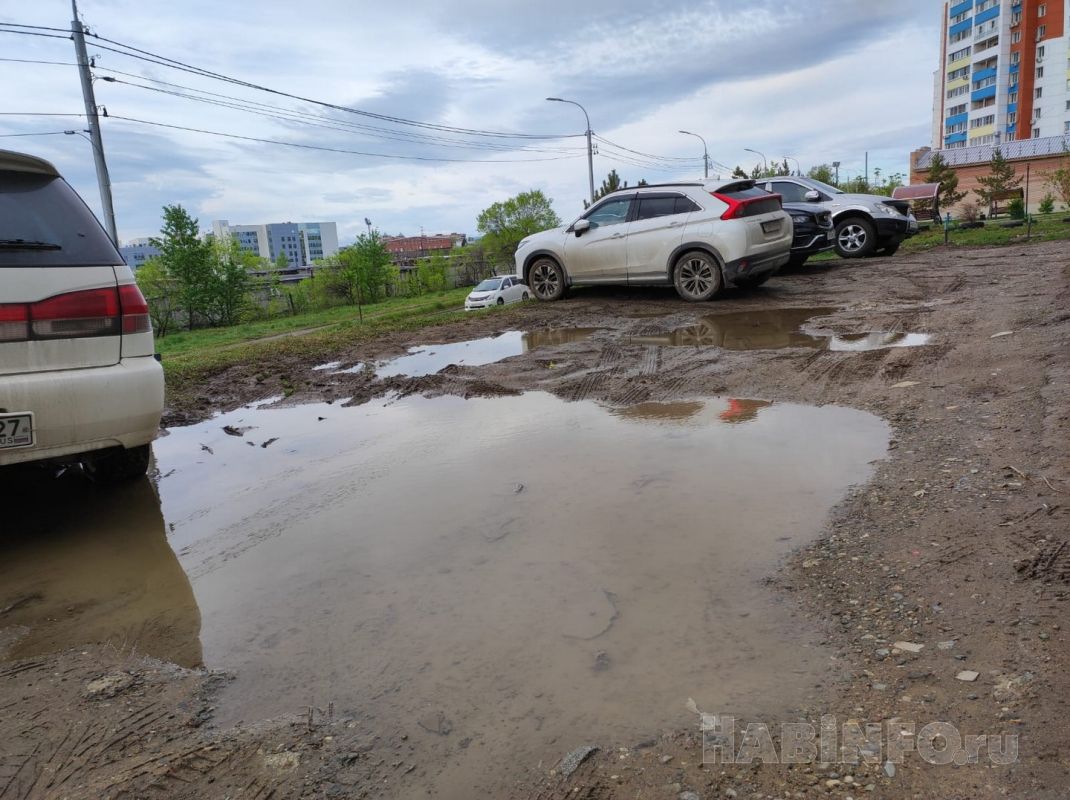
765 161
103 180
590 147
705 153
836 166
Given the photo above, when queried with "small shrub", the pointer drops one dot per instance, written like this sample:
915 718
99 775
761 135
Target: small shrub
970 212
1016 208
1047 204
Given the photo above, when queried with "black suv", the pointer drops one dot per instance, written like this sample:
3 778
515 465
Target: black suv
813 231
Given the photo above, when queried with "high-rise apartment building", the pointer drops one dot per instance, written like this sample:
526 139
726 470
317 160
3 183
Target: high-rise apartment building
1004 73
300 242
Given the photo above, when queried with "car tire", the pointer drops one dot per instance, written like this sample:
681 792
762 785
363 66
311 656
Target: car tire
855 237
501 301
547 280
697 276
117 465
889 250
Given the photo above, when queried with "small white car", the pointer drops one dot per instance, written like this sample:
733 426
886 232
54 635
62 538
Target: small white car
698 236
79 381
497 291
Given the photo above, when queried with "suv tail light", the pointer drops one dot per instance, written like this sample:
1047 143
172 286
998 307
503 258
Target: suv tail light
739 207
76 315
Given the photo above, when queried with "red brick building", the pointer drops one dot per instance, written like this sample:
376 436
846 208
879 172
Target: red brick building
407 250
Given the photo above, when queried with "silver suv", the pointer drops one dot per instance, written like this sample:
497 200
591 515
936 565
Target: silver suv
866 224
698 237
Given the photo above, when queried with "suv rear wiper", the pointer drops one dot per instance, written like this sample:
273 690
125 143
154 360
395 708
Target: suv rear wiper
27 244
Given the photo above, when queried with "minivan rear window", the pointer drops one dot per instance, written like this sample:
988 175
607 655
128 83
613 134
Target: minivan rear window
44 223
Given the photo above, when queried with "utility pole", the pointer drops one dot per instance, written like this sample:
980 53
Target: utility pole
590 145
94 125
705 153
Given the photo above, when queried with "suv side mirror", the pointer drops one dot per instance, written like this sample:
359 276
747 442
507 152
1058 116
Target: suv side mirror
580 226
812 196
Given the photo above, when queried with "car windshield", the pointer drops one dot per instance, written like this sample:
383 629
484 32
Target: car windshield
489 285
43 223
824 187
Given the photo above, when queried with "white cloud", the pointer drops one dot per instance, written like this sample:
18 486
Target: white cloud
822 84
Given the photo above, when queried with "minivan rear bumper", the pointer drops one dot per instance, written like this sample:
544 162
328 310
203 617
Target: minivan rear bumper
79 410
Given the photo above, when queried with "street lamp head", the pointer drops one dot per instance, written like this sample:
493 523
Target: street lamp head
555 99
689 133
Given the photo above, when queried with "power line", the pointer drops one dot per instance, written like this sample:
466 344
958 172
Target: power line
38 61
338 149
329 123
155 58
36 114
650 156
35 27
33 33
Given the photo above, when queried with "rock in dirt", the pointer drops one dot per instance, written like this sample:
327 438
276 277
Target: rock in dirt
108 685
968 675
572 761
910 647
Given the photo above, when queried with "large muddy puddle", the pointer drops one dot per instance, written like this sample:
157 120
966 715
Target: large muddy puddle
428 359
501 579
776 328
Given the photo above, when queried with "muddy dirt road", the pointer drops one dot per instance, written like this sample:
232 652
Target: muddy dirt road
451 558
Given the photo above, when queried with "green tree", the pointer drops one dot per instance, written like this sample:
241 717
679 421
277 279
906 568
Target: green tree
823 173
1058 180
159 291
999 182
739 173
282 261
611 183
1047 204
229 285
186 258
361 272
433 272
504 224
948 194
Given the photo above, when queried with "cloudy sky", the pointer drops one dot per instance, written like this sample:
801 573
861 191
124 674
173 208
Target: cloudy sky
820 81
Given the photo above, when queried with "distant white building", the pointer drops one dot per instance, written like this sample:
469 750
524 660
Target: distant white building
137 251
300 242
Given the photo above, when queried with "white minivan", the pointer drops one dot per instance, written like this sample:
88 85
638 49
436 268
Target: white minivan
79 381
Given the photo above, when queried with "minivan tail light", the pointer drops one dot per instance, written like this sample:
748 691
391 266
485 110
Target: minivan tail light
135 310
748 206
72 315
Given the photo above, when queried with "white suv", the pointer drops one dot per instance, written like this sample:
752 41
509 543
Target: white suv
78 378
698 237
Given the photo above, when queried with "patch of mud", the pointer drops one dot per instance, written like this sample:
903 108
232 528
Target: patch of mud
774 329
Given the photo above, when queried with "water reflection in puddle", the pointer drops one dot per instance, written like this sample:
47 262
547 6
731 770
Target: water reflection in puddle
774 329
537 573
428 359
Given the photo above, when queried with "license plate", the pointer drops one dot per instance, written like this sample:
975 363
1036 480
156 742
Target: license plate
16 430
772 226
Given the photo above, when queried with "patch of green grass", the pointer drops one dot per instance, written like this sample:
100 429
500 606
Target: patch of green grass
1046 228
180 342
200 354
